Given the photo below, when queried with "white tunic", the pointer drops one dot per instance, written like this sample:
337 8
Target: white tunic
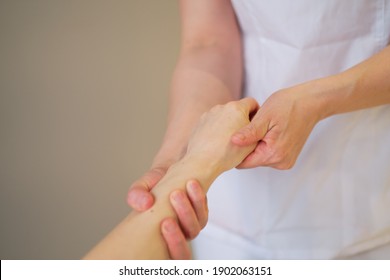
335 202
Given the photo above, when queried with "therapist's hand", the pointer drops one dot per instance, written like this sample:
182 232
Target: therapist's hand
139 197
280 127
192 212
190 207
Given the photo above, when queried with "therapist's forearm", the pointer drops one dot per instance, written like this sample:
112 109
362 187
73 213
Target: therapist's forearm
363 86
195 89
205 75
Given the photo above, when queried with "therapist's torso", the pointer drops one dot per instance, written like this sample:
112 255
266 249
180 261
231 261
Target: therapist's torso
335 202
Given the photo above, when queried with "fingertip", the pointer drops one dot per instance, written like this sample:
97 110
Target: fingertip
185 210
140 200
193 182
169 226
193 188
145 202
239 138
198 200
175 240
177 197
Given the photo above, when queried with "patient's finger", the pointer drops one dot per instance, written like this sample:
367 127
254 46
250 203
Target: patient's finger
249 104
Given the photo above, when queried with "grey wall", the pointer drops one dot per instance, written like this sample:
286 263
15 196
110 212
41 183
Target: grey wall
83 88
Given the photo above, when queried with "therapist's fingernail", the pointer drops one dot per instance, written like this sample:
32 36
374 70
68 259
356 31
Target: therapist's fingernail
177 196
238 137
144 202
169 226
192 188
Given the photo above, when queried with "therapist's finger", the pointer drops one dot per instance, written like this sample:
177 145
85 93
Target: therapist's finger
256 158
199 201
139 198
185 213
174 238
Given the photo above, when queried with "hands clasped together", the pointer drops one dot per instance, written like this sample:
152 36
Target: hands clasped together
237 134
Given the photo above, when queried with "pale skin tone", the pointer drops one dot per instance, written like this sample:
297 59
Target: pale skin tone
210 152
279 129
208 72
284 122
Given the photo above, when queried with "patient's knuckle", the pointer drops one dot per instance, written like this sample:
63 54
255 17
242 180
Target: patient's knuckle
235 107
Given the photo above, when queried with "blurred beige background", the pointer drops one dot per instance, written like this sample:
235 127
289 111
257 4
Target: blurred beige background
83 99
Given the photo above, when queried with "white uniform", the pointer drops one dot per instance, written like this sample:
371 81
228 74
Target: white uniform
335 202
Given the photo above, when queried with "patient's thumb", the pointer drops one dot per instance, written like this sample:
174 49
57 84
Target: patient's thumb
250 134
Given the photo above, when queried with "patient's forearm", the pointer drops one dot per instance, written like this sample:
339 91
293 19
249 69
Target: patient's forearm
209 153
138 236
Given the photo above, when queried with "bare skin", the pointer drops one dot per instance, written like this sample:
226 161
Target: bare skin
208 72
209 153
285 121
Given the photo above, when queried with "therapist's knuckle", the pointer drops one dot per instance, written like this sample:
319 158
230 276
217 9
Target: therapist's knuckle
186 211
279 158
193 232
158 171
285 164
198 200
204 221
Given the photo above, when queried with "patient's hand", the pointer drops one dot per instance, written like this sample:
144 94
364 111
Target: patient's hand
211 141
209 153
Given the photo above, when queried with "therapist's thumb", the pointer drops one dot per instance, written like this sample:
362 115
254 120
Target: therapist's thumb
251 133
139 196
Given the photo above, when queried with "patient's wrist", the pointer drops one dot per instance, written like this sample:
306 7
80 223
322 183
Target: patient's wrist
205 166
189 167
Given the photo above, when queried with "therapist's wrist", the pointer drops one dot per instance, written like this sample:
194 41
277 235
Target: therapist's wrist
330 95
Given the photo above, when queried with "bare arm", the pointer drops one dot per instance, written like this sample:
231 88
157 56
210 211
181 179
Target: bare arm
363 86
210 152
209 69
208 72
